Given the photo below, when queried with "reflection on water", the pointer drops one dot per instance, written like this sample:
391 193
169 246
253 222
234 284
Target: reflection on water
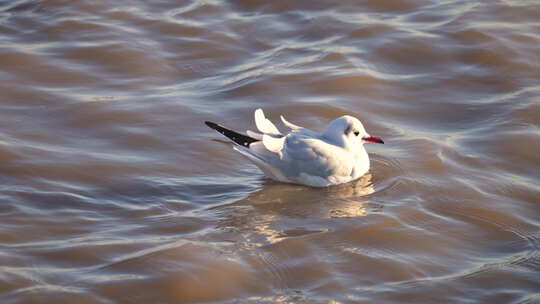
113 190
278 211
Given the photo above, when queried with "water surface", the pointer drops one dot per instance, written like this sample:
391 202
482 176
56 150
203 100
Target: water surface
114 191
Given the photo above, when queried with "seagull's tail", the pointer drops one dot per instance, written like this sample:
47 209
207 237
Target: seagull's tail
237 138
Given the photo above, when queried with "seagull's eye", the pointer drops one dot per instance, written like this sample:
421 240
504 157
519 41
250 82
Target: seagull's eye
356 133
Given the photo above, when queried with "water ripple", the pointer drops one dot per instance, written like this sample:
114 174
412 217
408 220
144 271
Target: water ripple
114 191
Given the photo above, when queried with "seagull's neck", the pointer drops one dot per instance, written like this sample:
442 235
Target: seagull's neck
362 153
361 164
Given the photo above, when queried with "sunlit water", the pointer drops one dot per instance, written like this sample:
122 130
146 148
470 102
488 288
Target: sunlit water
114 191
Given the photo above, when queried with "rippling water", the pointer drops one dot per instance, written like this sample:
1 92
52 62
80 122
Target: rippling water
113 191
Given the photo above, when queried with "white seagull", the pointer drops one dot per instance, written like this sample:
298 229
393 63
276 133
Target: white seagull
302 156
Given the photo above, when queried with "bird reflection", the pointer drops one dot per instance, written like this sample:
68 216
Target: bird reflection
279 211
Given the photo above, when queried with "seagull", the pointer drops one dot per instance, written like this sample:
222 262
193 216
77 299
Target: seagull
333 157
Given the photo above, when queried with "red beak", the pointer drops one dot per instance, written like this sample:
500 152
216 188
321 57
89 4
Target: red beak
373 139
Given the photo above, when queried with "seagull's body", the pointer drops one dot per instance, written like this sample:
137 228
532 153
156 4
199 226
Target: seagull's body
302 156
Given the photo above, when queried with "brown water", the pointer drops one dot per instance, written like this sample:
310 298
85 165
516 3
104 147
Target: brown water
114 191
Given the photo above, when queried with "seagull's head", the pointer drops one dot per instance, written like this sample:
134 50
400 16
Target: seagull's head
348 132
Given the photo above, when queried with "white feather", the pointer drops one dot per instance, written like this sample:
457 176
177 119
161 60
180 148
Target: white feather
268 169
264 125
289 124
273 144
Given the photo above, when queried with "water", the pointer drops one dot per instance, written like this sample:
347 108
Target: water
114 191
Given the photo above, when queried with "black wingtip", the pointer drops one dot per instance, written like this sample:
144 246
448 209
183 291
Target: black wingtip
240 139
210 124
